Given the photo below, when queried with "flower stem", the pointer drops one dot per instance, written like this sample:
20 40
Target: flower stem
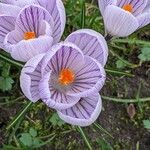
126 100
19 115
85 138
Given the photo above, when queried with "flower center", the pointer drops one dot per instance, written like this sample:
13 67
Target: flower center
66 76
29 35
128 7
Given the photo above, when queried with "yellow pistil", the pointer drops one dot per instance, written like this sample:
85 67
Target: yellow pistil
128 7
66 76
29 35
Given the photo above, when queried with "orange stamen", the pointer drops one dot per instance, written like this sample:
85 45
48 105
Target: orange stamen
66 76
29 35
128 8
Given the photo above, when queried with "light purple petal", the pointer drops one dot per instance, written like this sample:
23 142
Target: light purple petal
26 49
8 1
88 79
147 6
9 10
57 11
30 78
119 22
53 97
63 55
15 36
91 43
104 3
6 25
30 17
84 113
138 5
22 3
144 19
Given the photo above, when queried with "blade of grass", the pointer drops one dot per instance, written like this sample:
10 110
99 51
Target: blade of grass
13 62
103 130
15 129
19 115
119 72
12 101
83 14
131 41
124 61
44 143
84 137
126 100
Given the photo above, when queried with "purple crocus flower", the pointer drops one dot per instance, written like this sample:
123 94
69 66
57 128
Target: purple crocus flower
34 30
54 7
123 17
69 77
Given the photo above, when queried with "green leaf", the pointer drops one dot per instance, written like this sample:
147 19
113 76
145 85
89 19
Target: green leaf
6 70
55 120
145 54
6 83
33 132
146 124
120 64
36 142
26 139
104 145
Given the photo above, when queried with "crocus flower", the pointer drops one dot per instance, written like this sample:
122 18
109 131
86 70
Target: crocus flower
123 17
34 29
54 7
69 77
32 33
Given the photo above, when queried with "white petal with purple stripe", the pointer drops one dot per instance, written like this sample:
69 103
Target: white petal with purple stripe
119 22
30 78
91 43
137 5
88 79
84 113
7 24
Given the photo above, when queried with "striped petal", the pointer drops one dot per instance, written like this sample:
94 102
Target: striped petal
84 113
147 6
22 3
57 11
52 97
27 49
7 24
104 3
88 79
144 19
138 5
8 1
30 19
9 10
63 55
119 22
91 43
30 78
